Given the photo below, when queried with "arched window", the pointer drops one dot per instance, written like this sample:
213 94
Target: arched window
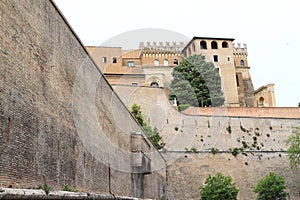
203 45
190 51
214 45
166 62
154 84
261 102
156 63
224 44
242 63
175 62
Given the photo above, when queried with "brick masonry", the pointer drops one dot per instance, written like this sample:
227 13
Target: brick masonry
53 127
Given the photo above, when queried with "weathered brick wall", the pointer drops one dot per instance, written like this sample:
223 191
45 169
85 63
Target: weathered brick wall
60 122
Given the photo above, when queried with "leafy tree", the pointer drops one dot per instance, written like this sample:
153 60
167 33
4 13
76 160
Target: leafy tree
294 149
152 133
197 83
271 187
218 187
137 113
299 104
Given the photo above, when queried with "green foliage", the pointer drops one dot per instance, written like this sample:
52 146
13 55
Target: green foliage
294 148
218 187
164 197
271 187
137 113
152 133
182 107
214 150
69 189
299 104
235 151
154 136
193 149
46 188
197 83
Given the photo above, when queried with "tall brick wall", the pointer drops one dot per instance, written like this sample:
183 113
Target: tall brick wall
59 119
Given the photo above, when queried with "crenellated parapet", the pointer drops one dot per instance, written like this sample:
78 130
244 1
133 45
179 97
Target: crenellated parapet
171 47
239 49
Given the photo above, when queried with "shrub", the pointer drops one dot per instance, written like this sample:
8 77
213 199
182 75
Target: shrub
214 151
271 186
182 107
69 189
46 188
218 187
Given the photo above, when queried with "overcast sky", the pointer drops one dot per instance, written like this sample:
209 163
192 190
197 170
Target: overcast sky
271 30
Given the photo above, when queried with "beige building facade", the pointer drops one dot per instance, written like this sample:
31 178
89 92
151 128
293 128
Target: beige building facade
152 63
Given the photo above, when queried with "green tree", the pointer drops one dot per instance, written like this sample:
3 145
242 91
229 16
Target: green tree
270 187
152 133
299 104
137 113
218 187
197 83
294 149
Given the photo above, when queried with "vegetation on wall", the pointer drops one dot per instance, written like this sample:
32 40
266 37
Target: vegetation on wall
271 186
218 187
196 83
151 132
294 147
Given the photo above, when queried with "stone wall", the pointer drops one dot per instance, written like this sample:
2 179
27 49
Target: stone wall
60 122
263 132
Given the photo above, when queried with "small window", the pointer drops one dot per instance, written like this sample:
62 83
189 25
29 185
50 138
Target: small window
194 48
166 62
224 44
175 62
216 58
154 84
156 63
104 60
130 63
228 58
203 45
214 45
114 60
134 84
242 63
237 80
190 52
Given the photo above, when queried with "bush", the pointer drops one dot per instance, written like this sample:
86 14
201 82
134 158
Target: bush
69 189
182 107
214 151
46 188
271 186
218 187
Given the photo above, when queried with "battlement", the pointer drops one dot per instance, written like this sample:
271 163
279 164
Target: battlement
162 46
238 49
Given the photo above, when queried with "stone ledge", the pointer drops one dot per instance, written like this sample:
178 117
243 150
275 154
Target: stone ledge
11 193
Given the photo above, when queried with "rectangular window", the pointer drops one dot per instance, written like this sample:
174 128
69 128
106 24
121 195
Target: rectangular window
237 80
104 60
130 63
134 84
216 58
228 58
114 60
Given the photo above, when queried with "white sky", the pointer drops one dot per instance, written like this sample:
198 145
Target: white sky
271 29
